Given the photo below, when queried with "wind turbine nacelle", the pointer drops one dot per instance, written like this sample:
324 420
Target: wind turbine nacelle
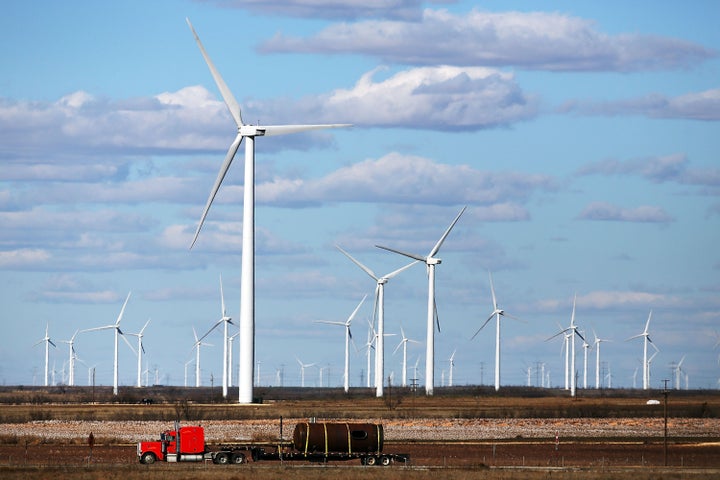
433 261
251 131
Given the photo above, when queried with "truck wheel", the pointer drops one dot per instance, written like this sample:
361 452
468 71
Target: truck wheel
147 458
237 458
384 460
222 458
371 460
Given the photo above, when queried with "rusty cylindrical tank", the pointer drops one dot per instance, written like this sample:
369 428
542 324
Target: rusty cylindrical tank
326 438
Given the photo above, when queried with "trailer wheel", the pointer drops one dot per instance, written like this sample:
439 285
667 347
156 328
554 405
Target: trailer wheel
237 458
384 460
147 458
370 460
222 458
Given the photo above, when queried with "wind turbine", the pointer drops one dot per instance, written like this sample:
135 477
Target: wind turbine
198 343
118 333
572 331
71 358
247 291
231 340
47 342
348 337
431 261
678 370
225 320
597 343
303 366
585 347
646 336
497 313
451 360
403 343
380 309
140 351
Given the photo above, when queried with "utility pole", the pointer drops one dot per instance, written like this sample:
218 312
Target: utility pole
665 411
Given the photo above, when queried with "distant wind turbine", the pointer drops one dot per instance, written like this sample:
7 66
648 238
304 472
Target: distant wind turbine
71 358
403 343
572 331
303 366
247 291
48 342
451 361
198 343
597 343
348 337
380 310
497 313
140 351
678 372
431 261
646 340
118 333
225 320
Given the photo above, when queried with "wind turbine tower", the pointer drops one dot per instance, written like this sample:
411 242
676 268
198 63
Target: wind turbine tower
403 343
646 340
247 290
47 342
431 261
118 333
71 359
572 331
348 337
140 352
380 306
497 313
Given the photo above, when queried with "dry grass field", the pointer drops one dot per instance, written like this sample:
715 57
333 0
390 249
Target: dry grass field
459 433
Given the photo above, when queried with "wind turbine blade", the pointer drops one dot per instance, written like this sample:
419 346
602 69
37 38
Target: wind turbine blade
227 95
218 181
127 342
437 246
122 310
647 325
401 269
211 329
352 315
437 318
557 334
357 262
411 255
51 343
272 130
106 327
142 329
483 326
222 300
492 290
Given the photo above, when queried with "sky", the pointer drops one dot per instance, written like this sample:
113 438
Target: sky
582 137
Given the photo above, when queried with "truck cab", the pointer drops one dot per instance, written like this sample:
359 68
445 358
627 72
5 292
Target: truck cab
185 444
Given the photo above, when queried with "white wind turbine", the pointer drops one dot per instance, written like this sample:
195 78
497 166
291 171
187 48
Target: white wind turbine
140 351
678 371
225 320
585 347
198 343
71 358
572 331
403 343
48 342
348 337
451 361
231 340
646 336
497 313
303 366
380 309
118 333
247 291
597 343
431 261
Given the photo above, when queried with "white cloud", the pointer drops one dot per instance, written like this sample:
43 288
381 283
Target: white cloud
23 258
397 178
536 40
340 9
607 212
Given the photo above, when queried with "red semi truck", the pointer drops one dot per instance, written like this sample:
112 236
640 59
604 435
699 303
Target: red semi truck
312 441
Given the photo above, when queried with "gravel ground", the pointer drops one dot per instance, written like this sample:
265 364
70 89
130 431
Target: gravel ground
395 430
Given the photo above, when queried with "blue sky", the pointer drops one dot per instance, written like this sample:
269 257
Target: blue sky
583 138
